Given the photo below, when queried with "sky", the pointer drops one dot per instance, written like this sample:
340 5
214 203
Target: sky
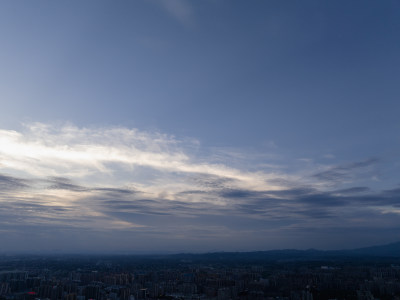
165 126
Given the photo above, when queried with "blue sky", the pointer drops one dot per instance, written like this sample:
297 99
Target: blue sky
171 125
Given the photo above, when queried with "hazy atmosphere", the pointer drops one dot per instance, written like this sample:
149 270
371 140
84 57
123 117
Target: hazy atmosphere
201 125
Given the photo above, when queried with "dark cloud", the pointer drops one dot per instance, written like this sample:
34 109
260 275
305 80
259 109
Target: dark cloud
307 202
153 207
392 192
8 183
35 207
125 203
142 206
115 190
14 216
360 164
192 192
316 213
347 197
240 193
339 173
353 190
212 181
266 195
323 200
62 183
292 193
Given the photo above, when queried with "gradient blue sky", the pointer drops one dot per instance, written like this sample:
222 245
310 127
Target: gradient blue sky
171 125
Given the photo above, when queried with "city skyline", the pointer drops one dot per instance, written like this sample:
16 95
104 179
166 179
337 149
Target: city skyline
197 126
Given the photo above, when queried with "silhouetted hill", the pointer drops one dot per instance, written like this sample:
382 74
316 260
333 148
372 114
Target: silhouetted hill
392 249
389 250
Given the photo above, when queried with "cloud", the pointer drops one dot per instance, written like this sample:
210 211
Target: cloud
344 172
12 183
68 151
353 190
62 183
114 183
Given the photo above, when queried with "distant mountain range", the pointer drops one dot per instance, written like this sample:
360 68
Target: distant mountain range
392 249
385 251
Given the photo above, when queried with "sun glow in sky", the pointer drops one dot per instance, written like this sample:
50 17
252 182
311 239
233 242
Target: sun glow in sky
172 125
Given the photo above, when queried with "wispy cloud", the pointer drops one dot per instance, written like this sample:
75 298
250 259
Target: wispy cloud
59 178
342 173
11 183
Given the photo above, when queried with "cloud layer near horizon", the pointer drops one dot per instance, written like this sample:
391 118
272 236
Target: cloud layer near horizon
119 189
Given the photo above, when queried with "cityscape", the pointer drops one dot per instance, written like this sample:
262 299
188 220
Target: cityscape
279 275
200 150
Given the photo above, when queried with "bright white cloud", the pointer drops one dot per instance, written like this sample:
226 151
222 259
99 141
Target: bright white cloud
44 150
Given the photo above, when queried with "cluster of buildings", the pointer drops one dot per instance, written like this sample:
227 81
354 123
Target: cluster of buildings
107 280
